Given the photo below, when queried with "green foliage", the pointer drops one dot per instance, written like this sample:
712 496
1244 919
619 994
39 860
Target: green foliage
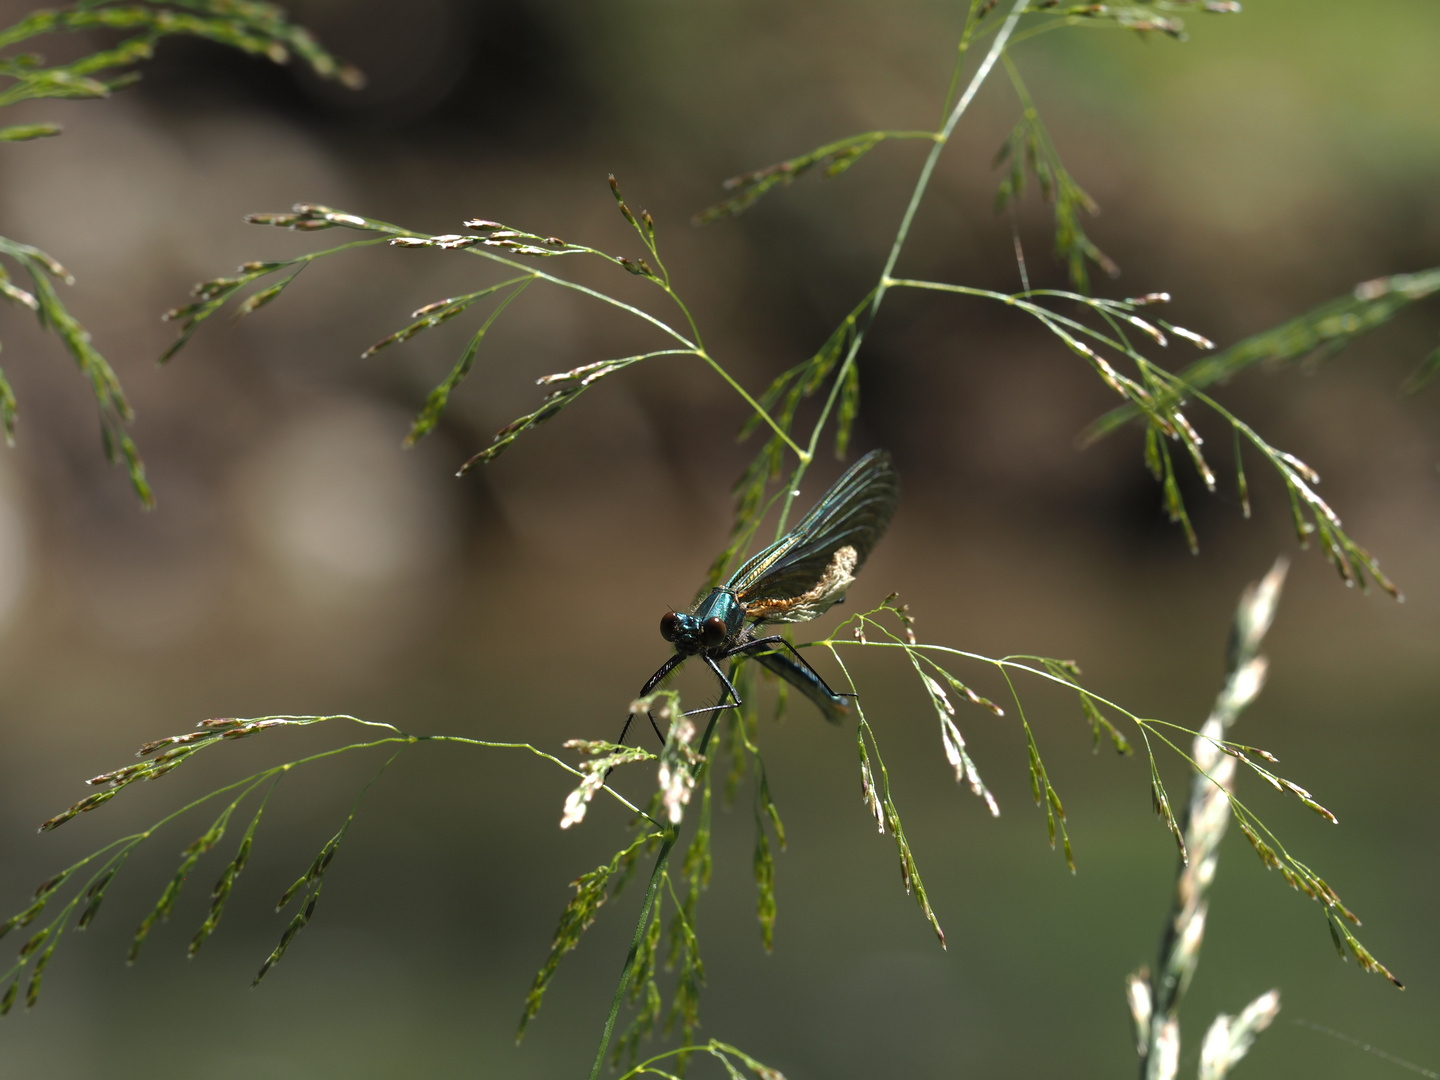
1029 150
881 804
250 26
1320 332
830 376
684 952
1153 392
41 298
165 755
261 29
1069 671
1159 396
837 157
867 630
188 858
221 892
644 995
591 891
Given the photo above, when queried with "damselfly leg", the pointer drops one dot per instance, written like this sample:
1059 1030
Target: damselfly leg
777 639
659 677
799 674
766 651
727 688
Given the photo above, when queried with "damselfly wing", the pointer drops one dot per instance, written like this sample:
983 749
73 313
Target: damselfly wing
795 579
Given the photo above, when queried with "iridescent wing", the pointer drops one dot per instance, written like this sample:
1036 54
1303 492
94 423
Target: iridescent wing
808 569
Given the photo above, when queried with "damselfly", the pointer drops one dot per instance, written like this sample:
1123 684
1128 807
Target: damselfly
795 579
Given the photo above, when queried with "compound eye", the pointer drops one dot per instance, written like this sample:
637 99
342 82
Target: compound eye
714 632
669 624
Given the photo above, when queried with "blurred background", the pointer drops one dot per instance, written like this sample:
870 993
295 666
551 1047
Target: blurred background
300 561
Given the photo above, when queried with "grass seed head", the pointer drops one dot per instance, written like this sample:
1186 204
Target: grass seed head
1192 337
45 888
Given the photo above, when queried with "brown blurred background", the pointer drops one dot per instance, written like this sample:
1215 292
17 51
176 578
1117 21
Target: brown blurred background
299 561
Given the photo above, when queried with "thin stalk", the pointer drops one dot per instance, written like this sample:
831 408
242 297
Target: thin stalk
650 891
671 836
965 34
922 183
805 456
695 345
57 925
538 753
388 229
690 319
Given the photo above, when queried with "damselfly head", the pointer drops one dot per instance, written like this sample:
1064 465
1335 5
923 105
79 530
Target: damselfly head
684 631
690 634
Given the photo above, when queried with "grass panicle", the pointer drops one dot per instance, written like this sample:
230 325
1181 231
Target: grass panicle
880 801
562 388
695 868
1230 1037
110 401
1158 396
1045 793
737 1064
680 762
833 369
1155 998
683 767
591 892
499 244
950 737
221 891
1099 723
604 756
645 996
742 733
1321 332
188 858
212 295
1029 151
1143 19
836 157
1427 370
767 816
684 954
103 865
1105 334
257 28
1213 781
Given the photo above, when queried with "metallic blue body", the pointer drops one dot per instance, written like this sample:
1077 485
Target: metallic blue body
720 604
